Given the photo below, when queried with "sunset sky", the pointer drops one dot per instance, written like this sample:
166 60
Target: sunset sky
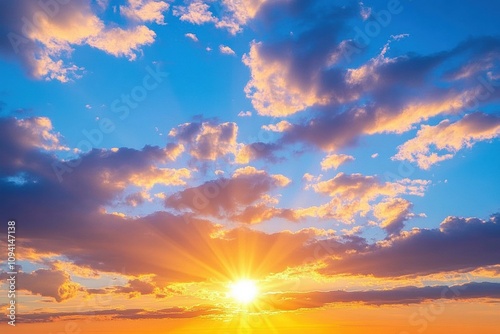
251 166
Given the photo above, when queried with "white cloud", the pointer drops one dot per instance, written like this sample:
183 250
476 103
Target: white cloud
226 50
245 114
192 37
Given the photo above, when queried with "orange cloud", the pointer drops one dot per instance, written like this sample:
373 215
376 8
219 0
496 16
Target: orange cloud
355 194
45 44
335 160
47 283
448 137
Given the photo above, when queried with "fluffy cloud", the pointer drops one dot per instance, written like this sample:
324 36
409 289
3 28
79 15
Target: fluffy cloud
197 12
37 132
145 10
47 283
166 176
224 49
229 196
123 43
356 194
230 15
448 137
44 40
207 140
335 160
261 212
393 213
192 37
258 150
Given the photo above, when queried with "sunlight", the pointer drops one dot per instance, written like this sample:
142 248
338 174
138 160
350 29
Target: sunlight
244 291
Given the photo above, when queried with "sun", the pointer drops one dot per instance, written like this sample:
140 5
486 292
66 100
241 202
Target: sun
244 291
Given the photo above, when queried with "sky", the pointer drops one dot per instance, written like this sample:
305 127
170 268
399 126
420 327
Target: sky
250 166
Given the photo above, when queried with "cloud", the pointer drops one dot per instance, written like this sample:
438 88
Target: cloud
37 132
356 194
342 96
244 114
207 140
259 213
258 150
459 244
226 50
281 126
136 287
192 37
45 39
393 213
397 296
448 137
92 179
82 232
47 283
237 14
197 12
335 160
89 237
167 313
145 10
123 43
230 15
228 196
165 176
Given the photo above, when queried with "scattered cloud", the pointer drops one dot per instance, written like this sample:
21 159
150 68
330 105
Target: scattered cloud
145 10
448 137
335 160
244 114
207 140
197 12
226 50
192 37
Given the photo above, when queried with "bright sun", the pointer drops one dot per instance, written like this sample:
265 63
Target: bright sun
244 291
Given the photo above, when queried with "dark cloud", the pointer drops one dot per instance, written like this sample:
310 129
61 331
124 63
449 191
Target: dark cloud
167 313
47 283
397 296
458 245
